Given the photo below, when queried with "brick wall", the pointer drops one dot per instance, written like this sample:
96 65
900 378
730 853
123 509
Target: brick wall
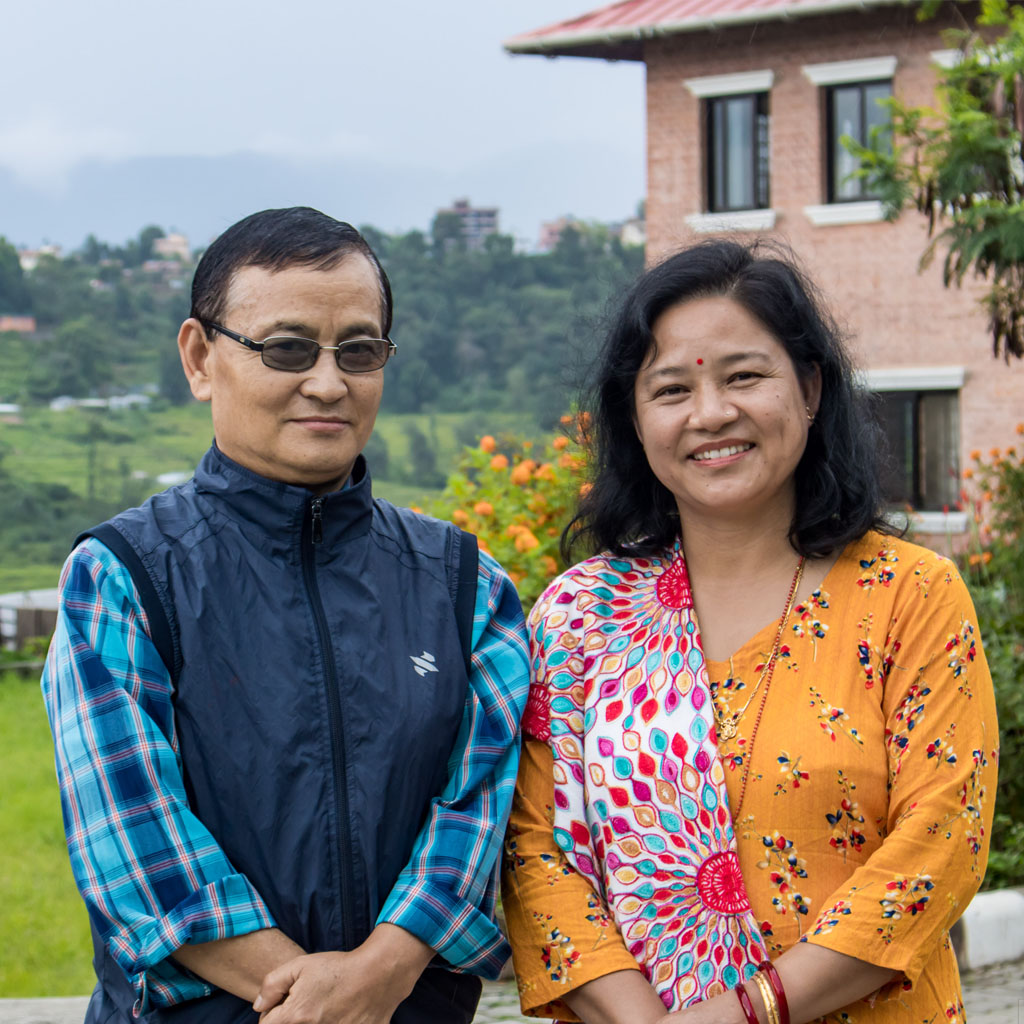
895 316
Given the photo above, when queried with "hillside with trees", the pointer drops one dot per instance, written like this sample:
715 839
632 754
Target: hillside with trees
488 340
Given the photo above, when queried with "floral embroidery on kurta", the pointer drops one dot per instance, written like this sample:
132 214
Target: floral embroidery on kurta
879 795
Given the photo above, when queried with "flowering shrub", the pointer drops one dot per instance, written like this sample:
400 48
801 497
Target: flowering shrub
517 496
994 567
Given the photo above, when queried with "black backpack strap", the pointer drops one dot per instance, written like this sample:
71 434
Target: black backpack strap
465 595
159 626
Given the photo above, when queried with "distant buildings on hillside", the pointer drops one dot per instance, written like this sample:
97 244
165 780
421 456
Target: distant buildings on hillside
629 232
29 258
470 224
473 224
18 323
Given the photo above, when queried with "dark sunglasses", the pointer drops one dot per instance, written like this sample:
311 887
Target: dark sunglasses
293 355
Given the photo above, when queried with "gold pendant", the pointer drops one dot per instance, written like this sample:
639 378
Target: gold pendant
727 728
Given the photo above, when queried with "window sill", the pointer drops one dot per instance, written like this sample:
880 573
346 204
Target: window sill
930 522
740 220
866 212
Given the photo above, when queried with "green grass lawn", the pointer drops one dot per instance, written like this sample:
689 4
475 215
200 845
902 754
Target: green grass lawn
44 930
105 450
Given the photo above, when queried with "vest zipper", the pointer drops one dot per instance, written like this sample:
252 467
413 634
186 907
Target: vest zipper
346 850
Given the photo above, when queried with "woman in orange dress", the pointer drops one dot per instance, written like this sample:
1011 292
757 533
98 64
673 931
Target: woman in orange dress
760 750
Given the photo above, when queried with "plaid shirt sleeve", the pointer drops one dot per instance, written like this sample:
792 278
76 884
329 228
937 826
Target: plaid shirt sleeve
447 892
152 876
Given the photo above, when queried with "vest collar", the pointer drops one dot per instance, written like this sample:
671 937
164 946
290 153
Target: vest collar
280 509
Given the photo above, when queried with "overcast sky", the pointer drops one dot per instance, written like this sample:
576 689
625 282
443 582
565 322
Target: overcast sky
397 98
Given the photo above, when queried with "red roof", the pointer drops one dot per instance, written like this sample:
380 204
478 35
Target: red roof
618 30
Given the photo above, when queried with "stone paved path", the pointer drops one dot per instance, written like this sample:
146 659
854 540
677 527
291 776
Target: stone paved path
992 996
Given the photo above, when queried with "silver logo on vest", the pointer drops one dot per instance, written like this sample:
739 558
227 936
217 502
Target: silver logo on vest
424 663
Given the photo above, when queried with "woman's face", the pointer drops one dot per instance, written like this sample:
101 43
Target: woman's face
721 412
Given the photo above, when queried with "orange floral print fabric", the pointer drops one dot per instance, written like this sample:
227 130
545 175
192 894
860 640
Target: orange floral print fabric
866 819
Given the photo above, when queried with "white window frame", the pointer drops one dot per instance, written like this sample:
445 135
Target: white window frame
920 378
841 72
711 87
740 220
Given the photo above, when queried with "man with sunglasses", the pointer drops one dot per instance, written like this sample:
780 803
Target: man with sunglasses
286 713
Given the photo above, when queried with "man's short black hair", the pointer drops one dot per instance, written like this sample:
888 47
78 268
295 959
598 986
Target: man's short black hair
298 236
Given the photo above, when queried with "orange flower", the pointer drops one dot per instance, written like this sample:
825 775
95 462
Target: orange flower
417 510
551 531
483 508
585 489
549 565
516 577
1020 428
537 503
545 472
968 473
987 496
513 529
526 541
460 517
487 444
567 419
567 461
994 452
975 454
527 446
986 557
499 462
522 473
975 559
1011 451
483 545
559 443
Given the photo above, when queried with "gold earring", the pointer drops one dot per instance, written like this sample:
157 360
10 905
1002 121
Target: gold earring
810 415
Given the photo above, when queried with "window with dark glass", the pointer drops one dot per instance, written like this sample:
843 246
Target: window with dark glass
738 152
852 110
922 432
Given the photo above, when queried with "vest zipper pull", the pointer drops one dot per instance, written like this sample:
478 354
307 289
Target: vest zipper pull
317 508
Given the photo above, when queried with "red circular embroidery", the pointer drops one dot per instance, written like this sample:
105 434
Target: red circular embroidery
673 587
720 884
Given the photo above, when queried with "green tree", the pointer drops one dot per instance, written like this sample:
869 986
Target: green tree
77 361
446 232
14 293
423 469
173 384
961 166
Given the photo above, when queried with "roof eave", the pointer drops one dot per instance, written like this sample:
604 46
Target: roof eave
630 39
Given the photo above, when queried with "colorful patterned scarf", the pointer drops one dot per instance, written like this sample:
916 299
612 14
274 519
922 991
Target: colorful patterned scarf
621 695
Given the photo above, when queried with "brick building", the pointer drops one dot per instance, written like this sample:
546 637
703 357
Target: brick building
746 102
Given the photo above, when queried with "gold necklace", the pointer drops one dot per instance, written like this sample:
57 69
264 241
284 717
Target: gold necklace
726 727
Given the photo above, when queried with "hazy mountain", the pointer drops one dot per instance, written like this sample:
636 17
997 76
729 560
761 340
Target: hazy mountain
202 195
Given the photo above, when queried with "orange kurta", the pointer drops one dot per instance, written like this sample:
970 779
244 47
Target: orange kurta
865 823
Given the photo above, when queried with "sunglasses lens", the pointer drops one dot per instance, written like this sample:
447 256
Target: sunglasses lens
362 356
291 354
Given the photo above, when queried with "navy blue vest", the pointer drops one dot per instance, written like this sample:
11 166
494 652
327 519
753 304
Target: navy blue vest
311 745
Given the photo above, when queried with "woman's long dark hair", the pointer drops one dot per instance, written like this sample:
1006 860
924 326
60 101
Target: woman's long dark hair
628 510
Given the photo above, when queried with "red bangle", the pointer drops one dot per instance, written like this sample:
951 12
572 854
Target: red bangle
745 1004
776 983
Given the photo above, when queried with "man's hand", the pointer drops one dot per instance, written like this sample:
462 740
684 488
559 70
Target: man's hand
363 986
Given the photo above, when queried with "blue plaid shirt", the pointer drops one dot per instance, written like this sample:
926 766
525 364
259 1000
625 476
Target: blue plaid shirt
136 847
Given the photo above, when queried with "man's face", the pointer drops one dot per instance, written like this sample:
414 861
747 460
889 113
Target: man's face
300 428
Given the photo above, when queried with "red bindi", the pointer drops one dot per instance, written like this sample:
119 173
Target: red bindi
700 362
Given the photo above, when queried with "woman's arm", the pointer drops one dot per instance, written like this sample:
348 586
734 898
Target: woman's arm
623 997
816 981
569 957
